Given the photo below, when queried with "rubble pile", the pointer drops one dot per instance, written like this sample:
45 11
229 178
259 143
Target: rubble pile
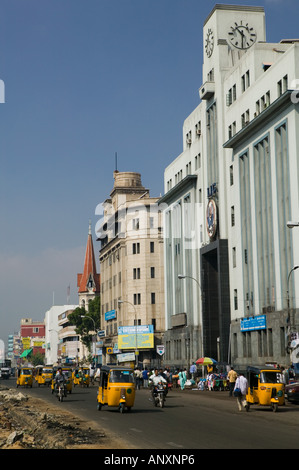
31 423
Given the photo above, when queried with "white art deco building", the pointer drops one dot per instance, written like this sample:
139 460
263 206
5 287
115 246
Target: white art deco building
228 198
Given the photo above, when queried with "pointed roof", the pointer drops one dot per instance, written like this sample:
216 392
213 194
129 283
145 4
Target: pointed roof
89 271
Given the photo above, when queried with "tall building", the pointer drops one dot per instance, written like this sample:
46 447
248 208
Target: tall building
132 277
89 281
229 254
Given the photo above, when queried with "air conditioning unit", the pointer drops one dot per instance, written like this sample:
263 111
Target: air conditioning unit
198 132
189 141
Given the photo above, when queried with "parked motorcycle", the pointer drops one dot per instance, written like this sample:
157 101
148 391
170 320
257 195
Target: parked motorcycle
159 395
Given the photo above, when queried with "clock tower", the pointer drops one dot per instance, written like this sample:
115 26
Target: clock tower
230 31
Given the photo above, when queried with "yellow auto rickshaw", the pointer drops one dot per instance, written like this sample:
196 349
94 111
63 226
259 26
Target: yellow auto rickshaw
81 377
117 388
265 387
25 377
43 375
68 372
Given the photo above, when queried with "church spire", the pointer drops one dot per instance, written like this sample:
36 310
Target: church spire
89 280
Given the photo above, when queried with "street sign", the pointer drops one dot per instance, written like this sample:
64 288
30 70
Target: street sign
101 333
161 350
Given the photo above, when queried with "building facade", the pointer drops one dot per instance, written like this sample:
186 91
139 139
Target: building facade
229 254
53 340
32 335
132 277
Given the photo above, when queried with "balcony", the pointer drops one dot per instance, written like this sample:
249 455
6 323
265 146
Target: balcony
207 90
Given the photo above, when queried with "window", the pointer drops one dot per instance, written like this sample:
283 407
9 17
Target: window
136 273
245 118
198 129
197 161
152 247
231 95
234 257
153 298
152 272
233 216
189 139
245 81
136 248
135 224
236 299
137 299
231 175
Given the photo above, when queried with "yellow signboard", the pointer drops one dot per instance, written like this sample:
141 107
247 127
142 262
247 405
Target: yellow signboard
26 343
130 337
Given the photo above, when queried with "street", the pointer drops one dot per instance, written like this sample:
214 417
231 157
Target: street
191 419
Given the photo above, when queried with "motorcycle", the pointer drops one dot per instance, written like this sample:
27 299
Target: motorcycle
159 395
61 391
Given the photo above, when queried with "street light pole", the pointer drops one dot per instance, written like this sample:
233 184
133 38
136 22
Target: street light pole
95 330
288 297
184 276
136 348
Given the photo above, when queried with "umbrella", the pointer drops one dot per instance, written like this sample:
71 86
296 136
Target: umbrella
205 361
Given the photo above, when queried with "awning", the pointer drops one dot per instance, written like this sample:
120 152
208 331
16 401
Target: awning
26 352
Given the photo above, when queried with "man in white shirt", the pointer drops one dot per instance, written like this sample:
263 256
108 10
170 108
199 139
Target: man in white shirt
242 384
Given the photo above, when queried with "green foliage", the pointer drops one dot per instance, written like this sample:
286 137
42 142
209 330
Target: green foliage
37 359
90 323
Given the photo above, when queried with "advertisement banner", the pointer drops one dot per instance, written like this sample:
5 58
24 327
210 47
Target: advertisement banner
26 343
143 335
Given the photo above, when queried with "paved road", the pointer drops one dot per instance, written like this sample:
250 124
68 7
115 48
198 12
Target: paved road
190 420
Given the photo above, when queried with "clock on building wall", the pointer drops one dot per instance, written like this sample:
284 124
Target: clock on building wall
209 46
211 218
242 35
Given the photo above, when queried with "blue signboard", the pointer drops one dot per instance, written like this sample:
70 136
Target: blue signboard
254 323
110 315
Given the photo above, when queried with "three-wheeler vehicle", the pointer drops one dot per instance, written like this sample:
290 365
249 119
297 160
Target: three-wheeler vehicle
68 373
81 377
43 375
265 387
25 377
116 388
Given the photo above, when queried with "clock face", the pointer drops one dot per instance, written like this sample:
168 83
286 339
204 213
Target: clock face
209 46
242 35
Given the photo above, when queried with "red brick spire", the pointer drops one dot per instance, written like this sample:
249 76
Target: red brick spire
89 281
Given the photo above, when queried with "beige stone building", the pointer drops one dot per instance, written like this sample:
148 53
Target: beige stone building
132 273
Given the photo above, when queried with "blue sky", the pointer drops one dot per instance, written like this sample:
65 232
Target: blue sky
85 79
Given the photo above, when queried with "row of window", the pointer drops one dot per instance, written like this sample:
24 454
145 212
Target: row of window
262 103
137 300
189 168
264 343
106 285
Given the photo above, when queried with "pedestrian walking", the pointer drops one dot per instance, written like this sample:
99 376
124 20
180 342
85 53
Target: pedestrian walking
145 377
193 371
138 378
232 377
240 391
182 378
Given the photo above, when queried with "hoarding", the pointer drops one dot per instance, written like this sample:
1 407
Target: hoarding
129 335
254 323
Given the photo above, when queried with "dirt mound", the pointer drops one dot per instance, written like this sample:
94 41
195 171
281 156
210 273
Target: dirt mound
27 422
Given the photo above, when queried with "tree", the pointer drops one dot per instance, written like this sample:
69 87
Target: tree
37 359
90 322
